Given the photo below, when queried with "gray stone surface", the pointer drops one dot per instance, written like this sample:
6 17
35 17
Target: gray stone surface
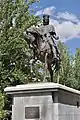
43 101
55 101
36 87
68 112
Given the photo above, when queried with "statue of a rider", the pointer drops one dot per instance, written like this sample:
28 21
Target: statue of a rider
49 34
42 40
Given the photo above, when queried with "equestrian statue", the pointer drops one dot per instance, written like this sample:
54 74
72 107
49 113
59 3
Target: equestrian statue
41 40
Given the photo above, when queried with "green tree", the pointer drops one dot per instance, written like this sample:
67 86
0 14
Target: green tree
2 112
76 69
15 54
63 75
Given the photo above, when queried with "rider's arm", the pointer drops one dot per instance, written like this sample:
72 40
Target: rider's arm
52 30
53 33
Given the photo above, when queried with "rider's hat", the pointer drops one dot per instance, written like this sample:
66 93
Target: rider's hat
46 16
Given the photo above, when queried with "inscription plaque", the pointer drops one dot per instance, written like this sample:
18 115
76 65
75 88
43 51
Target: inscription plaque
32 112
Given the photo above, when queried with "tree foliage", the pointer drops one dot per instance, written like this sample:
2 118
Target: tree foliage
76 69
15 54
65 64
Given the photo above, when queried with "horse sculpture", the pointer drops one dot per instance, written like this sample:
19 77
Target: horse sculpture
42 50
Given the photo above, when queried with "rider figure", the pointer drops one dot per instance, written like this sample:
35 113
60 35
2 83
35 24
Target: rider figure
49 33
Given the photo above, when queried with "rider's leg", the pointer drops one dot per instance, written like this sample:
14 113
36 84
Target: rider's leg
53 49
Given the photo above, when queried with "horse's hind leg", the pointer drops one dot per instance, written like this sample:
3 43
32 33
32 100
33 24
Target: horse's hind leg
50 71
46 67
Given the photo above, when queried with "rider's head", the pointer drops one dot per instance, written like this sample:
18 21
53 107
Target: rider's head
45 19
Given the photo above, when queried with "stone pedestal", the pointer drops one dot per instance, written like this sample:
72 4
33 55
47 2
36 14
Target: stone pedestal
44 101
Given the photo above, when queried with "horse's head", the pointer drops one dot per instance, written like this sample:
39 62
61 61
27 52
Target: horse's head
28 36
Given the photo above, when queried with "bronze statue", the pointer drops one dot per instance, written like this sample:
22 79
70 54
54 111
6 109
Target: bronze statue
42 41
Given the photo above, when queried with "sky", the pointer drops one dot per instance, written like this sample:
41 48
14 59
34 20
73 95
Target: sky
65 16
